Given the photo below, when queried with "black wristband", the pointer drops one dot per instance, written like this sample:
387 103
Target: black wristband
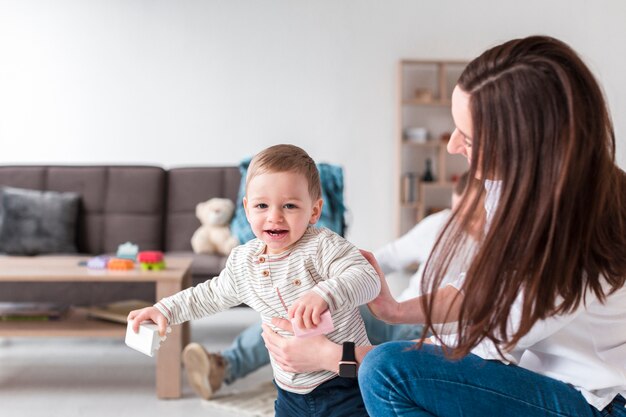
348 364
348 352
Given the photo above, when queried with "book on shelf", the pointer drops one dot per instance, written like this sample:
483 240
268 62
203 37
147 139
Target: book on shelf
117 311
27 311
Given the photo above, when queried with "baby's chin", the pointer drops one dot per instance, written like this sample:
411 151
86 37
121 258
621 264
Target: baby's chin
273 249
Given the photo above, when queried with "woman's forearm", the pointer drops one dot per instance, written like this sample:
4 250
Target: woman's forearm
446 308
361 351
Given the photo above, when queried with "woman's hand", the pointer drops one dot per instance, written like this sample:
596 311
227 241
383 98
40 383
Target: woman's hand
301 354
384 307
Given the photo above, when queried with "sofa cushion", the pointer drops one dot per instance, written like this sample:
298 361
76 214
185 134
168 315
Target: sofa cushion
186 188
121 204
118 203
37 222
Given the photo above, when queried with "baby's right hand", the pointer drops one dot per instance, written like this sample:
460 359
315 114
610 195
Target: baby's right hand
148 313
307 310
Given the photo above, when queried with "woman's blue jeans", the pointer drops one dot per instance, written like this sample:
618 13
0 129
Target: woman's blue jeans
397 379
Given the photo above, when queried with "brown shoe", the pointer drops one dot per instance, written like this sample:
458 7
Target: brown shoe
205 371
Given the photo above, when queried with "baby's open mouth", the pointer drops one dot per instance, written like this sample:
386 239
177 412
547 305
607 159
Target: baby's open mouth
276 232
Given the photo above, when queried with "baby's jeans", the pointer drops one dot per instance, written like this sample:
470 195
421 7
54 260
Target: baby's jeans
339 397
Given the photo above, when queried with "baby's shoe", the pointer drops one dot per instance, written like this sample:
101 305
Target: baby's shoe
205 371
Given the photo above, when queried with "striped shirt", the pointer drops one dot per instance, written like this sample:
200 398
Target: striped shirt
321 261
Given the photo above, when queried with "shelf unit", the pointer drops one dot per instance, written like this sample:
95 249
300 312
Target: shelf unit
424 89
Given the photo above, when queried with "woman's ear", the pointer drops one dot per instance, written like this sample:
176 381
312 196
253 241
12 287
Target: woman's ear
317 211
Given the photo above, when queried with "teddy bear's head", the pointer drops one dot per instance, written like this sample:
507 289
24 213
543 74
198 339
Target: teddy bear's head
215 212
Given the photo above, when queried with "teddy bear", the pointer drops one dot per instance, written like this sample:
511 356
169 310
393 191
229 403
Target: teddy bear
214 236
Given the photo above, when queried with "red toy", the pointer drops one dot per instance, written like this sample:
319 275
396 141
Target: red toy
151 260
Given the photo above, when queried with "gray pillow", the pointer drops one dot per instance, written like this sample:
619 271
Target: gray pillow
36 222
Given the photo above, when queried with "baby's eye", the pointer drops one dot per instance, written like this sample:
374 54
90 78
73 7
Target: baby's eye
290 206
261 206
467 141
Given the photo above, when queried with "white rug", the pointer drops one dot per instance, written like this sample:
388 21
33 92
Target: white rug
257 402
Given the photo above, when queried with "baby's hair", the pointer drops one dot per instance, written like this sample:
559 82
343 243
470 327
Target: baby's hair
286 158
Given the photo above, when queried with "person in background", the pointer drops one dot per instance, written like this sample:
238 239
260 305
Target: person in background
208 371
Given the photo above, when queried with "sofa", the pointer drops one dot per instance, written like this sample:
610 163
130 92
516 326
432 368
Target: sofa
147 205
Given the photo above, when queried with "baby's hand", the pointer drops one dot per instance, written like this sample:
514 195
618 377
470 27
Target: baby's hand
148 313
307 310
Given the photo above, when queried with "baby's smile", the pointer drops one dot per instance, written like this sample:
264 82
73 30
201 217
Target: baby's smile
276 232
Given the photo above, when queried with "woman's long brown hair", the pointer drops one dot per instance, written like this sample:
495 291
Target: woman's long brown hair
542 128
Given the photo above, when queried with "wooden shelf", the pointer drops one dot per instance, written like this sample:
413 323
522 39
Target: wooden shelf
428 144
437 184
73 324
424 90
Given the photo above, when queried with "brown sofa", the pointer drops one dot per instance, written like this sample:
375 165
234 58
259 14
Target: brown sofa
147 205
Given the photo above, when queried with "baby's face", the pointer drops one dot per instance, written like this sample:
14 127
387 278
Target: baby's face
279 208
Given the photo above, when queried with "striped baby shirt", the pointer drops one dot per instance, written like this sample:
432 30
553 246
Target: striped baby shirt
321 261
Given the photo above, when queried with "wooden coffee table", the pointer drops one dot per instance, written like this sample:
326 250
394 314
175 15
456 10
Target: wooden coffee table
176 277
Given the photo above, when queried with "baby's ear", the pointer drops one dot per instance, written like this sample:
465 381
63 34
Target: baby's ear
317 211
245 206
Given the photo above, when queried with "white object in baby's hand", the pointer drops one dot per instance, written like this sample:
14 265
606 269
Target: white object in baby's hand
147 340
325 326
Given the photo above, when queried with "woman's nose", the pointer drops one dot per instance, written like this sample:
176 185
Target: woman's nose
455 144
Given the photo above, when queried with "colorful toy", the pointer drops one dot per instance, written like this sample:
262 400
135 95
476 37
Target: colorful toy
151 260
98 262
127 250
119 264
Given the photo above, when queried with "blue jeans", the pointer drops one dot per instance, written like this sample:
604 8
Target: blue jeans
339 397
248 352
405 381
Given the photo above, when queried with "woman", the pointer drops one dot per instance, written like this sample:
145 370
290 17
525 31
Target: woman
541 311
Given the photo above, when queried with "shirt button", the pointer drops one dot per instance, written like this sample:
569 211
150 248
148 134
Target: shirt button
266 273
261 260
297 282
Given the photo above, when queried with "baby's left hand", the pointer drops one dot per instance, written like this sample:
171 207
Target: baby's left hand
307 310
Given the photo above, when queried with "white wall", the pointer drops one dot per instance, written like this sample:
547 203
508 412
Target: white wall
195 82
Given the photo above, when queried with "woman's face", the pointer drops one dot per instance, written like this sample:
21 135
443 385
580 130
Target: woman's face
460 140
